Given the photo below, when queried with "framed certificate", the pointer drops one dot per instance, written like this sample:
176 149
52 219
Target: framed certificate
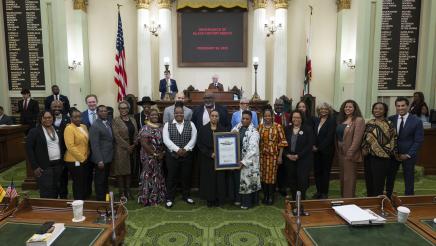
227 150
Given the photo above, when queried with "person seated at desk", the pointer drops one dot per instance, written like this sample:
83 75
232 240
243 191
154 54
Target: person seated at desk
28 109
4 119
215 84
201 114
165 82
168 115
57 96
244 104
419 107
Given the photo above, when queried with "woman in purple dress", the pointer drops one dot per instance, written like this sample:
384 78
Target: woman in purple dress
152 187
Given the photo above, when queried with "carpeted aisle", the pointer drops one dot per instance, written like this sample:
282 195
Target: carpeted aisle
199 225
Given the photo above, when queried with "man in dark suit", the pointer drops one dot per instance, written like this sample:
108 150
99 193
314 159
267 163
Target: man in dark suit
89 116
215 84
4 119
101 138
28 109
410 134
56 96
163 84
60 121
142 118
200 115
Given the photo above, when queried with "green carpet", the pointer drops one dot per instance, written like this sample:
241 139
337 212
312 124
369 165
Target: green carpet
198 225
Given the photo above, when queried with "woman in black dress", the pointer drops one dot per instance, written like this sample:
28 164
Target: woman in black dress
212 182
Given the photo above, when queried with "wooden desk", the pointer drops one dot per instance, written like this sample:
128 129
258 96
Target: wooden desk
38 211
7 207
322 215
12 148
422 208
218 95
426 157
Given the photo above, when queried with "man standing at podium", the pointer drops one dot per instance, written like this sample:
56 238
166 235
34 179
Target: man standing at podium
215 84
165 82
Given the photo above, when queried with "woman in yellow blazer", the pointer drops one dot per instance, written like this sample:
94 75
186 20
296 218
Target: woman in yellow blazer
77 143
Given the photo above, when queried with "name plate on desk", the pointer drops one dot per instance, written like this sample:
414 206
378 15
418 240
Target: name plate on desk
227 150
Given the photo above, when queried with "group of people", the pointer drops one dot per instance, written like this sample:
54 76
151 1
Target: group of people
278 149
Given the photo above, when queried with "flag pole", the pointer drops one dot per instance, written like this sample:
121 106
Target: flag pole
310 44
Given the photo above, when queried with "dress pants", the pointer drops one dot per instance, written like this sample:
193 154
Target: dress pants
89 177
321 171
234 184
250 200
49 181
281 178
79 177
347 176
63 194
179 169
298 177
376 173
409 176
101 181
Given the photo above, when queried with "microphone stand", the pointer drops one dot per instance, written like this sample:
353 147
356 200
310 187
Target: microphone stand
297 240
114 236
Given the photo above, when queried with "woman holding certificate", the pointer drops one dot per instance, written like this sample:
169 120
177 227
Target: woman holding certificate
272 141
212 182
298 154
249 182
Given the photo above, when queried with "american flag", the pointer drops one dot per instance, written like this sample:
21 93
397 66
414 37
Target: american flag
120 77
11 192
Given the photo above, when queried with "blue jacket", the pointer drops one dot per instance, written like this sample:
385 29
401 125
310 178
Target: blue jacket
163 87
236 118
411 136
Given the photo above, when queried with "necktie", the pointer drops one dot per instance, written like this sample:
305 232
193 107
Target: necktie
401 126
94 117
57 97
25 105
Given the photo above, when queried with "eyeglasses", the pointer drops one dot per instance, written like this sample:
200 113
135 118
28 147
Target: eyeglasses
122 108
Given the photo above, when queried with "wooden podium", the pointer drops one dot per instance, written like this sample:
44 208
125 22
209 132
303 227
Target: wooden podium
12 147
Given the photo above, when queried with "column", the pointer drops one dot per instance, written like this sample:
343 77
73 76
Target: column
78 50
145 85
4 87
165 35
280 71
258 47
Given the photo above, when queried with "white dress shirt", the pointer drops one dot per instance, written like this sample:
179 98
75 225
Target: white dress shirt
171 145
54 151
58 120
90 114
206 116
56 97
399 121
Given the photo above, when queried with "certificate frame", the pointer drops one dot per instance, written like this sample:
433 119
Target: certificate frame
233 144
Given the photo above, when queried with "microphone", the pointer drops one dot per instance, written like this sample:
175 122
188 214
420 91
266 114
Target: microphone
114 236
297 240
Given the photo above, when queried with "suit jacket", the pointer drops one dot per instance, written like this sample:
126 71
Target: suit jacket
36 148
77 143
28 116
197 116
411 137
48 100
220 86
237 117
353 136
163 87
102 142
168 115
325 137
6 120
303 147
85 118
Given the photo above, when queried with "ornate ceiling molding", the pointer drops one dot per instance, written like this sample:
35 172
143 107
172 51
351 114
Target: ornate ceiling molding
143 4
281 4
257 4
343 4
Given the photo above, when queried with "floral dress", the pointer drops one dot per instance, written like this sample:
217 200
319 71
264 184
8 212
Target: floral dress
152 183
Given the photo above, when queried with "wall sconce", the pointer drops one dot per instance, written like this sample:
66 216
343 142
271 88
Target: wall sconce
349 63
153 28
74 65
272 27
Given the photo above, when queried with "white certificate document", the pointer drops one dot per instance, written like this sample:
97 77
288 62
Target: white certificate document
227 151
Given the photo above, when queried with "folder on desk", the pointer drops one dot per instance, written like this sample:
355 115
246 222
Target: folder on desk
355 215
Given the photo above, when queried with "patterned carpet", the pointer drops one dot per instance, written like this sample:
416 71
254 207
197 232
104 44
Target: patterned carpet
199 225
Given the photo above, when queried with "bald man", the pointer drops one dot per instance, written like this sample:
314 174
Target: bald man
168 115
215 84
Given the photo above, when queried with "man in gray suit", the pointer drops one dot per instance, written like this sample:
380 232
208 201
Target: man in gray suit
168 115
101 138
4 119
